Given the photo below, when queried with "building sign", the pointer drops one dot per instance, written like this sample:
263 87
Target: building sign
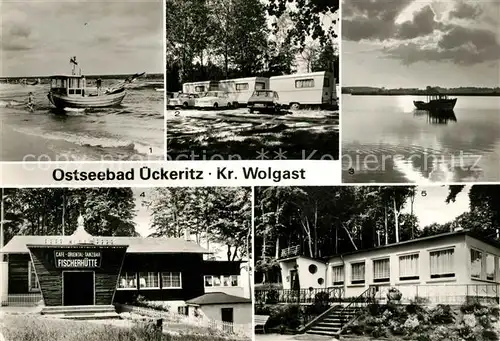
77 259
76 241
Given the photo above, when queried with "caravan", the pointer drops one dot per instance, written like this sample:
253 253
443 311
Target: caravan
241 89
309 89
200 88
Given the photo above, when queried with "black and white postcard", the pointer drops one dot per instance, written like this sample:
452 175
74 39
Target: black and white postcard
81 80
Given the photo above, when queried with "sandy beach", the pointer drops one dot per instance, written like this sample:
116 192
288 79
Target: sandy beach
132 131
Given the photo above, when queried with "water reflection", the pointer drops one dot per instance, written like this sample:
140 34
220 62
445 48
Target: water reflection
436 116
383 143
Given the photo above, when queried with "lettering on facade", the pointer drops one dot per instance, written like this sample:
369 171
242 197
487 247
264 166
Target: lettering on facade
77 259
61 241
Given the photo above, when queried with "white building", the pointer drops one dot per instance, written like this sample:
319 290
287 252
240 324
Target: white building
445 268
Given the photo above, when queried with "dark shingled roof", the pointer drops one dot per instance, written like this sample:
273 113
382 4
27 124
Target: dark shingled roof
135 244
217 298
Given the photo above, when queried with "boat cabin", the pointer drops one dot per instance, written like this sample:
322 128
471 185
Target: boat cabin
436 97
68 85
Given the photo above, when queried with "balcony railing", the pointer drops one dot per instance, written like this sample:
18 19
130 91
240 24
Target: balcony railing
22 300
444 293
302 296
487 294
290 251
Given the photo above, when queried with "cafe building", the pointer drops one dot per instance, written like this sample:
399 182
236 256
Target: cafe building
81 269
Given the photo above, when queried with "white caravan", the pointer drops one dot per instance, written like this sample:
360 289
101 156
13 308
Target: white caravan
241 89
316 88
200 87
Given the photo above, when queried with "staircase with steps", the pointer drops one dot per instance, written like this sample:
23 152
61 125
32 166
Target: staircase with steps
332 321
82 312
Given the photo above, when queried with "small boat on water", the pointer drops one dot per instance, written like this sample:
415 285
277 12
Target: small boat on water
436 102
69 91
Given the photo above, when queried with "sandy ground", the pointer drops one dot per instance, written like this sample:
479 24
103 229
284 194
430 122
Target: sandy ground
237 134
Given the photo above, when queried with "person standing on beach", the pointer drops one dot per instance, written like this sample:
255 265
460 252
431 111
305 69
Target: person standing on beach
31 102
98 83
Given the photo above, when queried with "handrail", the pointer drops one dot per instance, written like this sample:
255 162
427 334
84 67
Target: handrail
367 296
318 318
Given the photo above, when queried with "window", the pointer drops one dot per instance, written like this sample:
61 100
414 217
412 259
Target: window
221 281
476 258
313 268
242 86
127 280
149 280
326 83
209 282
442 263
260 86
33 284
304 83
358 273
171 280
490 267
338 275
381 270
408 267
230 281
199 88
182 310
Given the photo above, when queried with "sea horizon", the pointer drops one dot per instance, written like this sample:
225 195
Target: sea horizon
108 76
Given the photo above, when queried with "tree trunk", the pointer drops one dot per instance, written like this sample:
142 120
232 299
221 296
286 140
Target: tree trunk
264 241
336 239
412 200
315 229
396 220
63 211
386 227
350 238
277 252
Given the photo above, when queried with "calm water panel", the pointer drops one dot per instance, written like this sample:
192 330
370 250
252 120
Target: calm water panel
385 140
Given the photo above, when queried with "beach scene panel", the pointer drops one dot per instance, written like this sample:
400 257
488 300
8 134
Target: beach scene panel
82 81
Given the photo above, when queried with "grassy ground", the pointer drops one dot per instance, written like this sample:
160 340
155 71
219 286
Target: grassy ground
31 328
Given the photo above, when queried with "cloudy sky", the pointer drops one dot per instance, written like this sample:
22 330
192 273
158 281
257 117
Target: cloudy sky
38 37
415 43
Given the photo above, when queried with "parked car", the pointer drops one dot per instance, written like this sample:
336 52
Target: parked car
182 100
214 99
264 101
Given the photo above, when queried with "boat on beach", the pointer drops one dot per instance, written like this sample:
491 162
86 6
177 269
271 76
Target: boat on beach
70 91
436 102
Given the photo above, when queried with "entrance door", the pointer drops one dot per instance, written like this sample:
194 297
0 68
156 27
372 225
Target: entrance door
294 280
78 288
227 316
